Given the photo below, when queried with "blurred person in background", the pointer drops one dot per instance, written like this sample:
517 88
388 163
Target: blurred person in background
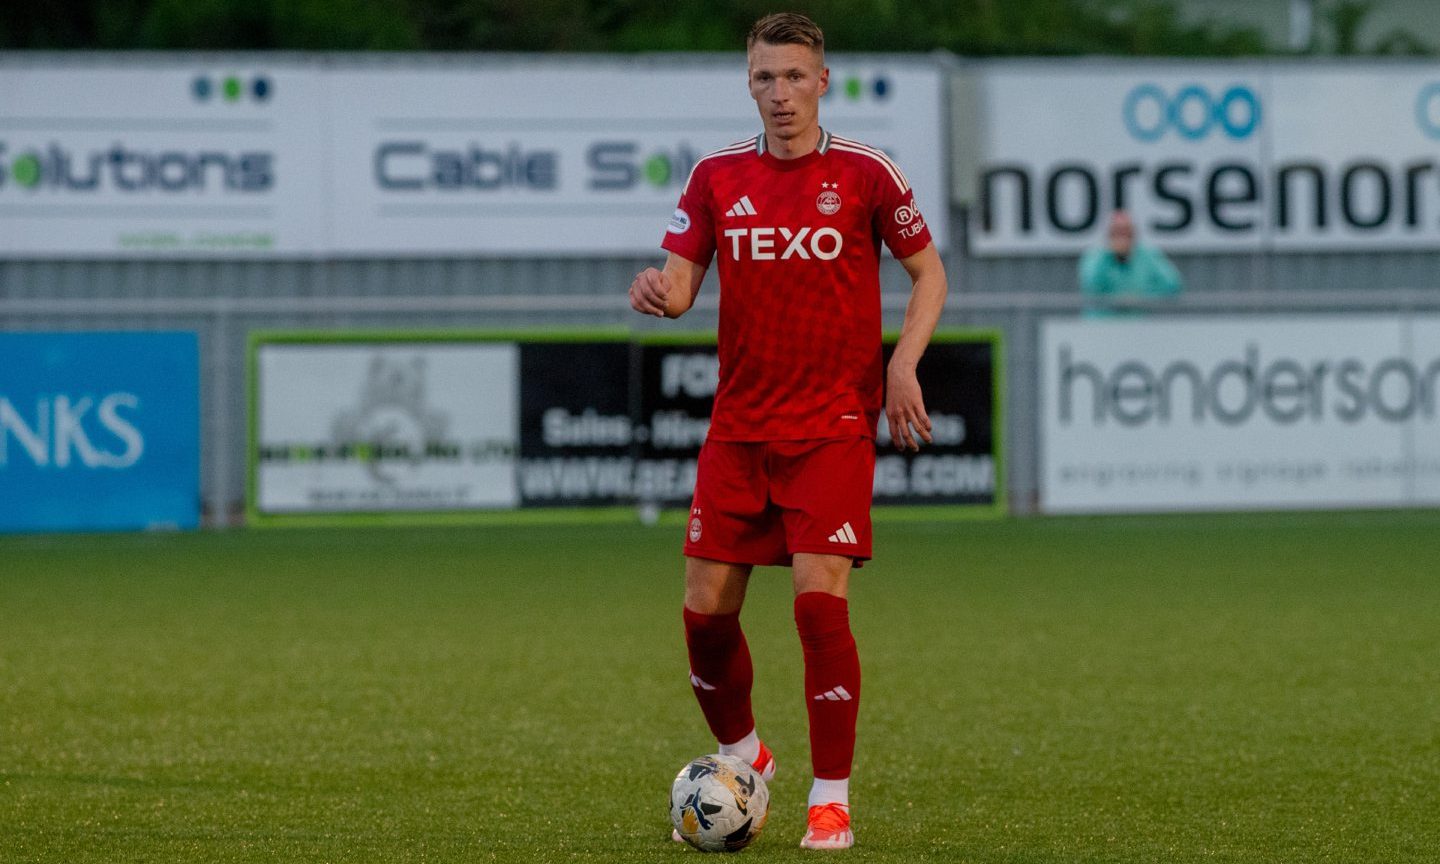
1125 277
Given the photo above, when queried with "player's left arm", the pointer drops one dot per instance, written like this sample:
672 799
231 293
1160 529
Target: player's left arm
904 403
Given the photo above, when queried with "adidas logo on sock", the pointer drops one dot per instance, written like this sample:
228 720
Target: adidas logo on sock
837 694
743 207
697 681
846 534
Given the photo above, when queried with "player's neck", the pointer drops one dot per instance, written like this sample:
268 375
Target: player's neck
793 148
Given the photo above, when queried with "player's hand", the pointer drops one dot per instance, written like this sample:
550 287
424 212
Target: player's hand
650 292
905 409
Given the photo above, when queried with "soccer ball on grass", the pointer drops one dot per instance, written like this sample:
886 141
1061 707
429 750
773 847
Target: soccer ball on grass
719 803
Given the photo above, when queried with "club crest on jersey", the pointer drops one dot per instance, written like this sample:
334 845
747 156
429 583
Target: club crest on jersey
679 222
828 202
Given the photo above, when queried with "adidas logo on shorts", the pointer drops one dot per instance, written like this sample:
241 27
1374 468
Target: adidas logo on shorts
846 534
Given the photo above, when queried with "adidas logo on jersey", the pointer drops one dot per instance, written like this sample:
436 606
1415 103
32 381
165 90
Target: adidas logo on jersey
838 694
743 207
846 534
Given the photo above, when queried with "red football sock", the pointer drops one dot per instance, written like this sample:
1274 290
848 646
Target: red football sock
832 681
720 673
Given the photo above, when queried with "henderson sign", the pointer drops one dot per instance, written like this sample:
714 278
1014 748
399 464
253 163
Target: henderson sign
1240 413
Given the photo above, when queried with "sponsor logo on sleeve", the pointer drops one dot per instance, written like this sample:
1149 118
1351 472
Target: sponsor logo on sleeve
679 222
909 220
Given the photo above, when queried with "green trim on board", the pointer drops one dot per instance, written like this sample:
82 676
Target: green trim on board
520 334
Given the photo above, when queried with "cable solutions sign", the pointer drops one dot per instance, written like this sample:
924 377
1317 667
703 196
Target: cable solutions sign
329 157
1210 157
160 161
580 158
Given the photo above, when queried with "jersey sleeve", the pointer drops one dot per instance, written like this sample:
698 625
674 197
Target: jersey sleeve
898 219
691 230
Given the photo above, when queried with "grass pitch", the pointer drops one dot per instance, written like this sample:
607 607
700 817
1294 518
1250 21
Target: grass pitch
1215 688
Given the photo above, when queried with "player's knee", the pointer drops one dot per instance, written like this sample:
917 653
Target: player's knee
714 587
826 574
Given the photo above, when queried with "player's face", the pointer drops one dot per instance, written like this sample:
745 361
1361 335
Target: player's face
787 82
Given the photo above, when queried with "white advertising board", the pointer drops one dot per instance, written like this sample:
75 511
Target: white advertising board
385 427
165 161
579 158
1209 157
1239 413
521 157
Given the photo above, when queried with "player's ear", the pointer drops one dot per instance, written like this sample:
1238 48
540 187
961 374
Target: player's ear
824 80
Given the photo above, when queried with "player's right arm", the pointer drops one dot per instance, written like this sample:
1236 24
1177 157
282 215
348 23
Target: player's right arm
667 293
690 241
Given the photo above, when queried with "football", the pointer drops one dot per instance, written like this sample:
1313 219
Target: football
719 803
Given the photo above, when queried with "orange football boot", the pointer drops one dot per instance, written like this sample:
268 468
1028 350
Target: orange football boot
829 828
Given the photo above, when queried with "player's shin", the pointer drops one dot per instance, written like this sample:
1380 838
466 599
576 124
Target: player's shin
721 674
832 681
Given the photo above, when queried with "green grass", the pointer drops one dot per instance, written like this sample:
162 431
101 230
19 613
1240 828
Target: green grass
1250 688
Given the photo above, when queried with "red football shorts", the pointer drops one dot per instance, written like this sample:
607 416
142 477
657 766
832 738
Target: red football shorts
760 502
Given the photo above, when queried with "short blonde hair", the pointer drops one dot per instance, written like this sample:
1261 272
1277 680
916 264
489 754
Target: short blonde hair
787 28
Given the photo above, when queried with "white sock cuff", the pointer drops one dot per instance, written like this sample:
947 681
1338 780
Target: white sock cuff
830 792
747 748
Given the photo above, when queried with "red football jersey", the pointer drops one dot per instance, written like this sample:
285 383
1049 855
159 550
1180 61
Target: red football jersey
799 246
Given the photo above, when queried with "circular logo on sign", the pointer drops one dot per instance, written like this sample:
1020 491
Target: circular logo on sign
828 202
695 530
905 214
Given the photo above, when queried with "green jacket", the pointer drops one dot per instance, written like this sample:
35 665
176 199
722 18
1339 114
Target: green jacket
1111 287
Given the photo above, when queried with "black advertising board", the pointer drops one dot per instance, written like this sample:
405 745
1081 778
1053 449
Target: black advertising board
677 390
608 423
961 465
959 376
576 433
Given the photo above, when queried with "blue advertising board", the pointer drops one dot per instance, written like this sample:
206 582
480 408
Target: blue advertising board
99 431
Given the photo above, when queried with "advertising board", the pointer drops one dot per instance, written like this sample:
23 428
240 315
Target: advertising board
577 436
450 423
169 160
221 158
99 431
586 158
1215 157
1239 413
354 427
